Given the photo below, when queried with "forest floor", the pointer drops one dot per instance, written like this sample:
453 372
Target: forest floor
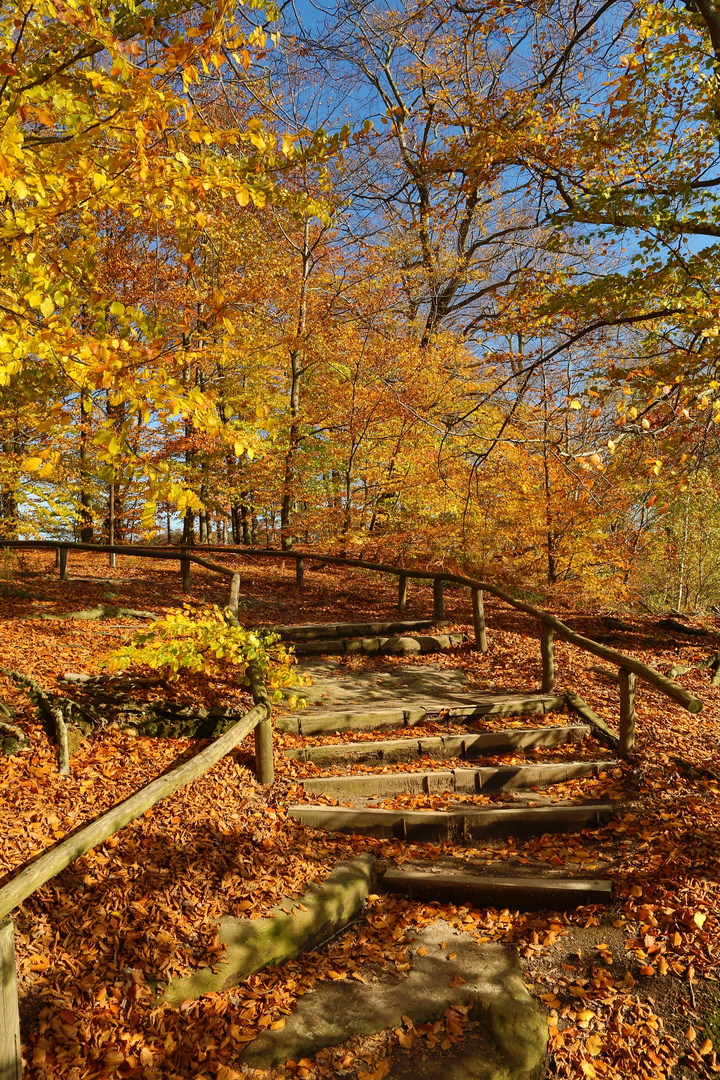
630 990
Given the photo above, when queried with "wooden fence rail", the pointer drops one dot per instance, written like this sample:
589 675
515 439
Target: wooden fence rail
37 872
438 578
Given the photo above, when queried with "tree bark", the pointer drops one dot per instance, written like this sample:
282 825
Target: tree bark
10 1060
86 499
290 476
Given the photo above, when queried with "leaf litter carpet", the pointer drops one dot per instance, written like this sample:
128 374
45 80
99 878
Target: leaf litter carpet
629 990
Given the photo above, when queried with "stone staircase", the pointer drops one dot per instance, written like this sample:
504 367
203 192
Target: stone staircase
371 703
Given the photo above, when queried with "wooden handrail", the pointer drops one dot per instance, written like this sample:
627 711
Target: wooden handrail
47 866
191 553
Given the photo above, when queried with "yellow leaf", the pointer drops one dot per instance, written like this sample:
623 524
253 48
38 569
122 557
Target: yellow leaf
593 1045
242 196
32 464
588 1069
575 405
699 919
705 1048
47 307
278 1024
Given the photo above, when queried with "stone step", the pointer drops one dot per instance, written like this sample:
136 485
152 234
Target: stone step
523 893
465 781
335 631
432 826
489 704
467 746
419 644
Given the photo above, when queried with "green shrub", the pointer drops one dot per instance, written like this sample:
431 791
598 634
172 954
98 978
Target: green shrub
206 641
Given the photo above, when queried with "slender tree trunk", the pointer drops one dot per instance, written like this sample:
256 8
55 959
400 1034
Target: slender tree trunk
9 520
111 523
683 559
245 522
290 476
86 498
189 527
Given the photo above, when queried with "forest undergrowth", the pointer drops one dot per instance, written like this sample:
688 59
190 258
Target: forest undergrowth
628 990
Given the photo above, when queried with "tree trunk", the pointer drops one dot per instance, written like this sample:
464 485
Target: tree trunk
86 499
290 476
189 527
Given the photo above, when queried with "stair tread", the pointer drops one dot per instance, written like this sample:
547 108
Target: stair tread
497 889
427 745
400 874
459 779
383 715
470 811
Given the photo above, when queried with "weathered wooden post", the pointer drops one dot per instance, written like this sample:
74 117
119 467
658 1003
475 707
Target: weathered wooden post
547 650
62 562
234 600
300 573
111 559
402 592
185 571
438 607
479 620
10 1061
627 712
264 761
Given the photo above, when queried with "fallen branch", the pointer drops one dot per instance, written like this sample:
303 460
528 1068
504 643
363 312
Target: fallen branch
616 624
51 707
61 736
714 664
679 628
102 611
215 567
581 707
606 673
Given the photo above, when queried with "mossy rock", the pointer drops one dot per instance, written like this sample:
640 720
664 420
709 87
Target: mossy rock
184 727
10 745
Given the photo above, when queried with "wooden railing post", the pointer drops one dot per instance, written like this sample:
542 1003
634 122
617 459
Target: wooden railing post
234 600
62 563
438 608
627 712
479 620
10 1061
300 573
547 649
402 592
264 762
264 759
185 571
112 559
